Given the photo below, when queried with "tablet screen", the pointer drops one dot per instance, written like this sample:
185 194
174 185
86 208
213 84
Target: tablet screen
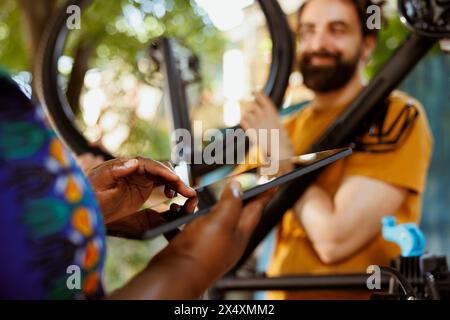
253 183
256 177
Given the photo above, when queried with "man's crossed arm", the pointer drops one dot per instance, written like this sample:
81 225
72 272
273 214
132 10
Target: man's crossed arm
339 226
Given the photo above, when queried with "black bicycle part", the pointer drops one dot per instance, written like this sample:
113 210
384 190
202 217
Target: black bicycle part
407 288
50 94
280 69
428 275
334 282
163 51
391 138
424 277
427 18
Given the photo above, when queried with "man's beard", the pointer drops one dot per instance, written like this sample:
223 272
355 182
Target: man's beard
325 79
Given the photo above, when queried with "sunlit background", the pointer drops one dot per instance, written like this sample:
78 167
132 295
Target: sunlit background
123 106
116 89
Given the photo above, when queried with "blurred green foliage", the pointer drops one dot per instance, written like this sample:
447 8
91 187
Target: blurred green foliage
103 20
13 51
390 37
123 33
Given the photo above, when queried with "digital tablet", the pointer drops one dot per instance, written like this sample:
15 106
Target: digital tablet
253 184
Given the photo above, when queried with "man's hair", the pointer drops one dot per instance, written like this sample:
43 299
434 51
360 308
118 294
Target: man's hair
361 9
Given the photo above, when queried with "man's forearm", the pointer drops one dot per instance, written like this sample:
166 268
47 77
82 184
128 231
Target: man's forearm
315 213
323 227
341 224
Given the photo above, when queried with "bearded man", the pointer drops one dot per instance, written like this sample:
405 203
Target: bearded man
335 227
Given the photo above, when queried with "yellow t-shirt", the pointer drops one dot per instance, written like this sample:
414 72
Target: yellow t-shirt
405 167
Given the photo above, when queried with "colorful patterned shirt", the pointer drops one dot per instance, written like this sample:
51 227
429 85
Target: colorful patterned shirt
52 238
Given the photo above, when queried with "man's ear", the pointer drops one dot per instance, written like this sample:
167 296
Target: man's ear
369 44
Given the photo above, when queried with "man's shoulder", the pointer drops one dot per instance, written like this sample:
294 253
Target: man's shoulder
291 114
399 99
405 110
293 110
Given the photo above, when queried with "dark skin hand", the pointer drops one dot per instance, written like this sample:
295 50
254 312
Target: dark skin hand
122 186
203 252
135 225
